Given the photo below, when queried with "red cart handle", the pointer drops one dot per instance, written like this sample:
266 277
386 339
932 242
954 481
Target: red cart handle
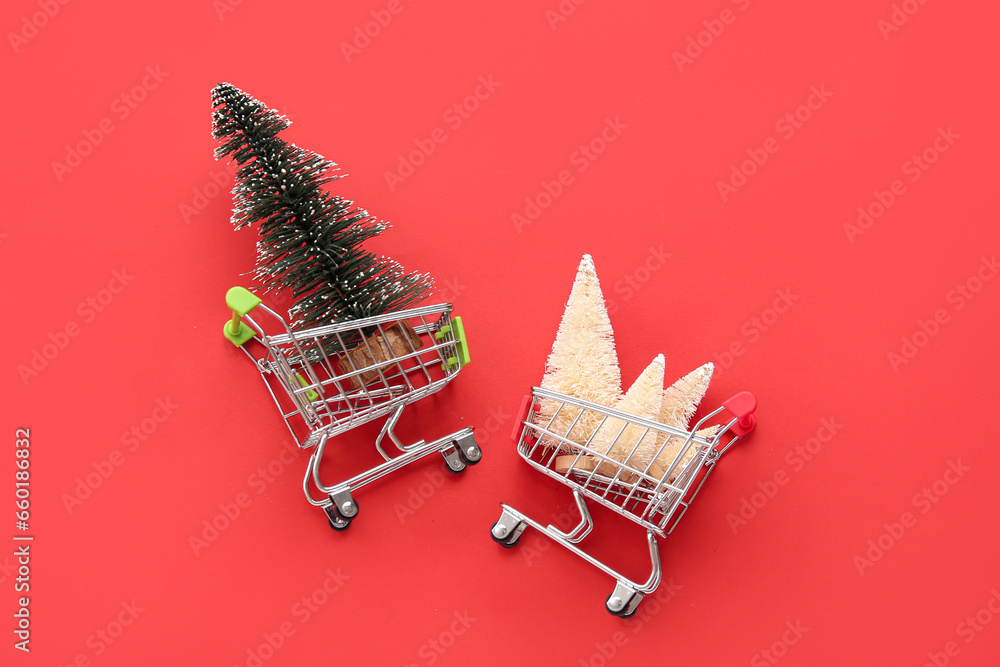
742 406
522 416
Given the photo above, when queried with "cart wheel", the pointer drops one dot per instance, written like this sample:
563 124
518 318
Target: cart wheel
623 606
350 509
469 450
615 605
631 613
453 460
337 522
507 540
340 525
343 505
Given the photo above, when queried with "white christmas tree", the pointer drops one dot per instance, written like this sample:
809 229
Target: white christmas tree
658 469
680 401
654 451
622 441
583 362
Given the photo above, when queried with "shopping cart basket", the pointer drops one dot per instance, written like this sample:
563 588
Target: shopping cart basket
327 380
654 495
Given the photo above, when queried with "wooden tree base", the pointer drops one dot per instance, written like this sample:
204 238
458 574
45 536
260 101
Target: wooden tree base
379 352
566 461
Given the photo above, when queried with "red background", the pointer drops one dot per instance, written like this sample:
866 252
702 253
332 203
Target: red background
122 207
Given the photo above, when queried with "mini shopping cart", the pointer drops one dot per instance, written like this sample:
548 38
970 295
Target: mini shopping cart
327 380
655 497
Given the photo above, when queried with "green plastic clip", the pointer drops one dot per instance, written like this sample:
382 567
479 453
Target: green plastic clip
241 301
311 394
457 329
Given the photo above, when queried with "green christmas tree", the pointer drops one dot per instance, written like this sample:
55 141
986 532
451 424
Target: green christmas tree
310 240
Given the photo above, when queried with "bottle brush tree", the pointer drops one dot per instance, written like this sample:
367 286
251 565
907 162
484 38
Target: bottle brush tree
583 362
311 241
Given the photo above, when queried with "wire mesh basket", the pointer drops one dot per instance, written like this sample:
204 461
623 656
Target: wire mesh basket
330 379
640 469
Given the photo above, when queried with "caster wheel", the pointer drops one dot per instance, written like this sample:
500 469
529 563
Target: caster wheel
337 522
353 511
616 606
509 540
628 606
469 451
453 460
340 525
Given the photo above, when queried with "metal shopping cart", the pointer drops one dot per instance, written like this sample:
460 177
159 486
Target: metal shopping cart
327 380
655 494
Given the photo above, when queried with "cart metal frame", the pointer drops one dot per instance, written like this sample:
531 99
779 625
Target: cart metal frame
321 390
654 500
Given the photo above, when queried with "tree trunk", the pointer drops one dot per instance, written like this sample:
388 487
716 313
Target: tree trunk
379 352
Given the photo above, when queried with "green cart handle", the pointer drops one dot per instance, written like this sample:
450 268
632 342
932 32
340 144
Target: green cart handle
457 331
241 301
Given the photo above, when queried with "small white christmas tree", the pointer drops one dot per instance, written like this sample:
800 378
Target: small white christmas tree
583 362
673 406
673 447
680 401
622 441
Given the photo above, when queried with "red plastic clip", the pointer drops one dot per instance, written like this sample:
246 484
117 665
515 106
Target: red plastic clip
742 406
522 416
